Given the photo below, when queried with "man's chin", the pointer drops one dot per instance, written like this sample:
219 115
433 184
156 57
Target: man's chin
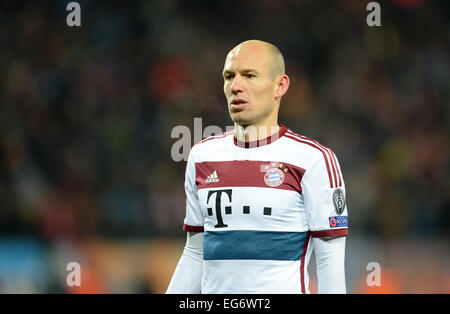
241 120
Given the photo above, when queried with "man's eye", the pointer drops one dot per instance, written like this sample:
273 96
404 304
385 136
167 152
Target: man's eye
228 77
250 75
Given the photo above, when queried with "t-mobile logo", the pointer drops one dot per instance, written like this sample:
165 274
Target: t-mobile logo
267 211
218 193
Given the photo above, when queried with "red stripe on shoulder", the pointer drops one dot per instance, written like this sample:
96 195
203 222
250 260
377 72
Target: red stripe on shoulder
334 165
330 233
190 228
222 135
337 168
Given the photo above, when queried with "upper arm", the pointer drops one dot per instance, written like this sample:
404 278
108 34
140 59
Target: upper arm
324 194
194 219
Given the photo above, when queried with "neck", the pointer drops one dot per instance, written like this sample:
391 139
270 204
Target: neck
251 133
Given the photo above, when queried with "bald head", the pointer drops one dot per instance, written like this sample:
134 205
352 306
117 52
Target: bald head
268 52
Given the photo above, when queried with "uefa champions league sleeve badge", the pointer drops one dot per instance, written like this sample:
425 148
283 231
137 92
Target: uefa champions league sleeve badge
339 201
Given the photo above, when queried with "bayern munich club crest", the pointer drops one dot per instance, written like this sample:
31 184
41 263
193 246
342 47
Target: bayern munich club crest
274 177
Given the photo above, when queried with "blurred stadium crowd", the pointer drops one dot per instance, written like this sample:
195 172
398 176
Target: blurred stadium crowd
86 116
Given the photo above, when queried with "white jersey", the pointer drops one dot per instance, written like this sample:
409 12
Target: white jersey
258 204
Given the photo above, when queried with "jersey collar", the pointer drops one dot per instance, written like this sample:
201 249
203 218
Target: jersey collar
261 142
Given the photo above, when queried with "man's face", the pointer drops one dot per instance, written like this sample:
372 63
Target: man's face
248 86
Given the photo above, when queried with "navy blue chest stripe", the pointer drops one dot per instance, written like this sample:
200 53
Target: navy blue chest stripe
253 245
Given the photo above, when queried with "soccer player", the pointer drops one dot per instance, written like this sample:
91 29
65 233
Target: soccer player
261 198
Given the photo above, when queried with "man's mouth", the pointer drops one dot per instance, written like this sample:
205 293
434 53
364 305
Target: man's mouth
237 103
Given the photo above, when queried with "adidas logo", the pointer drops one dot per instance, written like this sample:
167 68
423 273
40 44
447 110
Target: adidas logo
212 177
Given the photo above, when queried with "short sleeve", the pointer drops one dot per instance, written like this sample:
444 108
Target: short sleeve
194 219
324 197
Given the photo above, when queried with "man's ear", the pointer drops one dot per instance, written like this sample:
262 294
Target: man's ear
282 86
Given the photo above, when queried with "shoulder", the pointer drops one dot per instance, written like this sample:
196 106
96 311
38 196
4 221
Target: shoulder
210 145
216 138
308 145
318 155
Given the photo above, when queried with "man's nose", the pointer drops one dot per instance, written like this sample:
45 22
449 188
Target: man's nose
236 86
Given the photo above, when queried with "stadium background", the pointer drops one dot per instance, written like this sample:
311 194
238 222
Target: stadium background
86 115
